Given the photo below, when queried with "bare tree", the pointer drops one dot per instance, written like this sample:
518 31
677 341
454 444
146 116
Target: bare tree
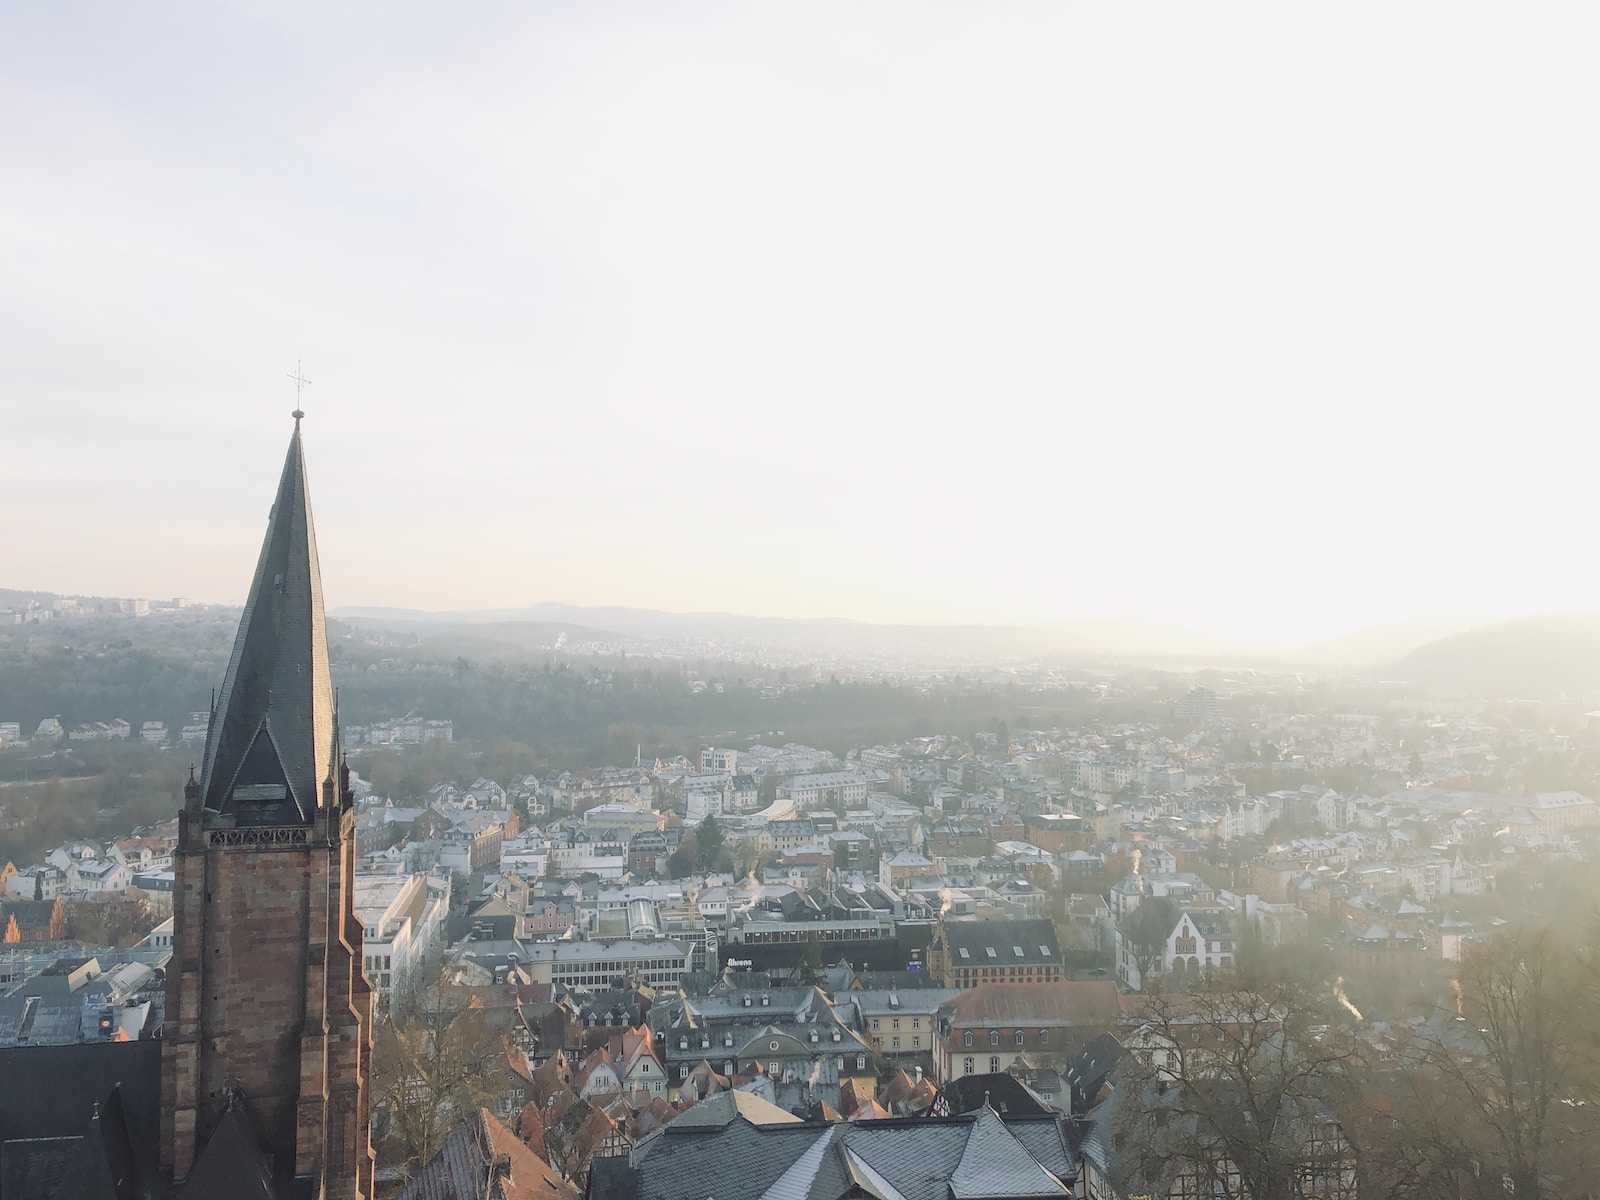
1413 1141
1236 1086
1146 930
432 1070
573 1139
1517 1065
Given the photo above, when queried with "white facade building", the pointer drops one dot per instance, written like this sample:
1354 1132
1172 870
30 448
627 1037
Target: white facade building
845 788
1201 940
402 918
98 875
660 963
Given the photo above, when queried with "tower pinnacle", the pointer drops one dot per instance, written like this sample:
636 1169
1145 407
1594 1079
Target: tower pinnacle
300 382
273 740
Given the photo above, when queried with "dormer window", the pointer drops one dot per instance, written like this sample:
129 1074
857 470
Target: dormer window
766 1001
705 1041
745 1000
1019 1037
683 1043
813 1035
994 1037
836 1035
966 1039
727 1039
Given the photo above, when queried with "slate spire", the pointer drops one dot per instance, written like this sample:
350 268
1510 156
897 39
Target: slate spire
273 744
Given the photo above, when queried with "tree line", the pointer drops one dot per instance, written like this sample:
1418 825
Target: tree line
1259 1086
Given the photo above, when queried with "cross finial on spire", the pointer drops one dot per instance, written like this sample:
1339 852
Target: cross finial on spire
300 382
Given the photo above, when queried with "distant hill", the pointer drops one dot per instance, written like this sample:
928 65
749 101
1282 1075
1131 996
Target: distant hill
1383 643
1063 641
13 598
472 636
1531 656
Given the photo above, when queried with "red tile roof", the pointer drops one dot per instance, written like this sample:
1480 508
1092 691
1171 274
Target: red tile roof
1090 1002
464 1166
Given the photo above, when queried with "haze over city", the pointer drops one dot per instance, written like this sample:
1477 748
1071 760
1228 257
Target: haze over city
659 601
1267 322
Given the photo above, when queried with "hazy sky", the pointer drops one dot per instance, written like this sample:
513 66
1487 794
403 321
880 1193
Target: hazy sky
1272 317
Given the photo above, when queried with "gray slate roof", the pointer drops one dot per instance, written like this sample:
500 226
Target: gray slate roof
49 1136
41 1020
1035 936
273 731
982 1155
995 1163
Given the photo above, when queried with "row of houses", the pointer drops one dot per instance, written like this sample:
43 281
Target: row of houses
140 863
151 733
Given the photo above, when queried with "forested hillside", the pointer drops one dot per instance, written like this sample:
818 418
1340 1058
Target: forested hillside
101 668
163 668
1531 656
510 713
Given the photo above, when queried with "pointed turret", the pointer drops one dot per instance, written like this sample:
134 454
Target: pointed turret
265 1054
272 751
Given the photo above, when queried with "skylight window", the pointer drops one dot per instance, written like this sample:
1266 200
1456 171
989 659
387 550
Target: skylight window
964 953
1045 950
992 954
1018 949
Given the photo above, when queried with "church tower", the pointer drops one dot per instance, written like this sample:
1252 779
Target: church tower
266 1054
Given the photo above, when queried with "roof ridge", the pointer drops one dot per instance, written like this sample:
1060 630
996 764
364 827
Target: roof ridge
982 1162
795 1182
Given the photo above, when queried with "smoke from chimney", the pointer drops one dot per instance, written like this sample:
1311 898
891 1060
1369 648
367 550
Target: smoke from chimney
1338 994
